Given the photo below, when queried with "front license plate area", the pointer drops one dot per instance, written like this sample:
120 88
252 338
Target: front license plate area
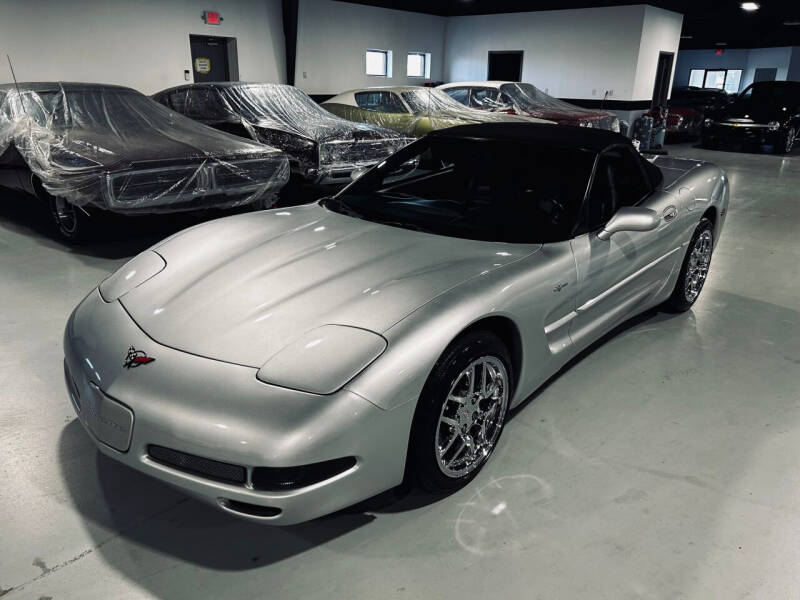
108 420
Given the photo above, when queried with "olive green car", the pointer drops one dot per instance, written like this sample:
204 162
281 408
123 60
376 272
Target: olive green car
412 110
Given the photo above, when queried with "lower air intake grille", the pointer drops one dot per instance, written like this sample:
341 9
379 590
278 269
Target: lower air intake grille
198 465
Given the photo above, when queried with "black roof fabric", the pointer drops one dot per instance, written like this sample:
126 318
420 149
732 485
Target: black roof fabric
588 138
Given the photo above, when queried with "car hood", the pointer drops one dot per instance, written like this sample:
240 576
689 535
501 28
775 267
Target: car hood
145 145
239 289
751 112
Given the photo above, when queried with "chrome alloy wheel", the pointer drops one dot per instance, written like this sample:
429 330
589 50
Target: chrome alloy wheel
791 136
697 270
472 417
66 215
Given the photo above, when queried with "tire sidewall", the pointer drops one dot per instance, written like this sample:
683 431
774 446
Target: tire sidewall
458 355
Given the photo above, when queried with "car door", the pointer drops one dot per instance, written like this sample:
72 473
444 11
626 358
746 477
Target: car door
620 276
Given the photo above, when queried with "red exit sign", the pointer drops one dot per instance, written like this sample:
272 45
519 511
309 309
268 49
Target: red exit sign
212 17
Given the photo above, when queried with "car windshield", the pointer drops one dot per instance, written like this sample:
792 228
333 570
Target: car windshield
424 100
772 95
95 106
488 190
271 102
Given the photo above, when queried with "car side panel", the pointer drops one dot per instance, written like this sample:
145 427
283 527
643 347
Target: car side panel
620 276
535 293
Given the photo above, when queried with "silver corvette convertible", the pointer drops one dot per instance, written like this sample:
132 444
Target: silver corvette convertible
285 364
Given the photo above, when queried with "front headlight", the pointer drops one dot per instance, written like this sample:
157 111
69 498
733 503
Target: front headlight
585 124
773 125
323 360
708 122
133 273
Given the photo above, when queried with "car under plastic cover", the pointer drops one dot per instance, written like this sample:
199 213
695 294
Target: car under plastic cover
117 149
527 99
322 147
413 110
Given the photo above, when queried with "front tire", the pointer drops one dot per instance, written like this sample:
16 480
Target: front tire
787 142
461 412
72 223
694 269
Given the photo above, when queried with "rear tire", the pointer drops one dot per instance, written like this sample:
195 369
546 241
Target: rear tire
694 269
454 431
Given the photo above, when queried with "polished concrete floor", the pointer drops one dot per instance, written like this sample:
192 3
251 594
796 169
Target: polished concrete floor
663 464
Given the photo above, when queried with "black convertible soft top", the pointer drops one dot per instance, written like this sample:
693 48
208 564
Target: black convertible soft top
587 138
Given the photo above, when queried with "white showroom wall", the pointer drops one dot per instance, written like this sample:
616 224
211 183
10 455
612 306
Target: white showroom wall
333 37
569 53
139 43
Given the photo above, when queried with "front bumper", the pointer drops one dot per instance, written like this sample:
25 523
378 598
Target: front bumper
221 412
740 136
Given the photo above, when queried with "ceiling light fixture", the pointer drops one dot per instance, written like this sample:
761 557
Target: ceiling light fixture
722 43
750 6
687 37
791 23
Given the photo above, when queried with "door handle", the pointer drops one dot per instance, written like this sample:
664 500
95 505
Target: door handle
669 213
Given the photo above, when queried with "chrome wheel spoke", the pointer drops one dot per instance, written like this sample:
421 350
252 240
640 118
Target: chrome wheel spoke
697 267
471 416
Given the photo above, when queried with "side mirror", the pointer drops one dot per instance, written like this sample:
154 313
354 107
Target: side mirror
356 173
630 218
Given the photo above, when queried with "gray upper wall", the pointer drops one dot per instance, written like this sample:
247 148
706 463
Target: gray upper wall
138 43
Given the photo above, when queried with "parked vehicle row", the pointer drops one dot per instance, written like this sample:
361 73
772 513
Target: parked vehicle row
90 149
84 148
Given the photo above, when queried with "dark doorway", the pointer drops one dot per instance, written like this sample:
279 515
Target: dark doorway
505 65
214 58
663 74
765 74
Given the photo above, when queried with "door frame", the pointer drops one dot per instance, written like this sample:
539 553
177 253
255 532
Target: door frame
231 53
494 52
656 102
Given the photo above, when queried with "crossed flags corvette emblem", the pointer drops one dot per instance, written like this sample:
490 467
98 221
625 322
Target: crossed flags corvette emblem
137 358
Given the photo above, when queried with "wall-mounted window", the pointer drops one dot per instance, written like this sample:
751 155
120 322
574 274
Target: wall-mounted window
379 63
418 64
720 79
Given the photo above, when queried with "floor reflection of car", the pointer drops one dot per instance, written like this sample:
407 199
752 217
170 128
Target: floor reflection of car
527 99
88 149
322 148
284 364
766 114
412 110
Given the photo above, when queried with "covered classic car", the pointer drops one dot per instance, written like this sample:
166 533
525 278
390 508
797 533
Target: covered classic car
767 113
86 148
322 148
525 99
412 110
